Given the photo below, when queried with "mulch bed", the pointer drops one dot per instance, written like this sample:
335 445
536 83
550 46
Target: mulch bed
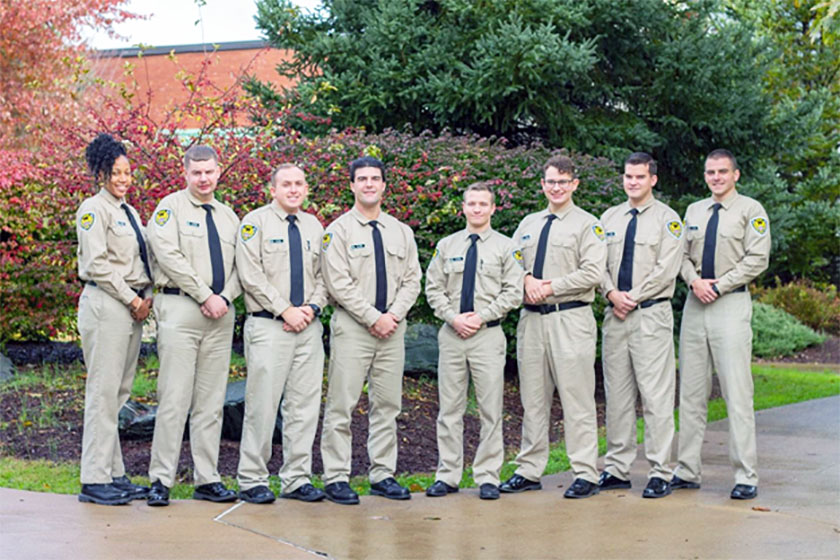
416 427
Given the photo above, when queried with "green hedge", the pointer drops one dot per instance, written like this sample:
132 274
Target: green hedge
777 333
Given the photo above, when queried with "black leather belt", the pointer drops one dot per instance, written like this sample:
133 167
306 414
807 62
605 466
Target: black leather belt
551 308
265 315
138 291
647 303
493 323
740 289
173 292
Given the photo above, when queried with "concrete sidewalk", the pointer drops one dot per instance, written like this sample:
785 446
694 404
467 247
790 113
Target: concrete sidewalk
797 515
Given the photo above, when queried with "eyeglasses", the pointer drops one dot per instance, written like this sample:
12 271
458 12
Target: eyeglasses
558 182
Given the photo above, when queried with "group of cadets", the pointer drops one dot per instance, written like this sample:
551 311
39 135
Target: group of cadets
366 264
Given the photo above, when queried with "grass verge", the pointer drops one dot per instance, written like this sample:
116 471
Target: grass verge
774 386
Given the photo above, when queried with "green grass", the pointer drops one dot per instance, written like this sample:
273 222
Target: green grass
774 386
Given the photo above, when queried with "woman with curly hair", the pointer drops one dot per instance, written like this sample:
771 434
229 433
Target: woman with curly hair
114 265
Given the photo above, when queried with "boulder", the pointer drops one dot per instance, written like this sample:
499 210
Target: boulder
421 348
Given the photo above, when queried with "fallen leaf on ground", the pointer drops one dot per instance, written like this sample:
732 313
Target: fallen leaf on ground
760 508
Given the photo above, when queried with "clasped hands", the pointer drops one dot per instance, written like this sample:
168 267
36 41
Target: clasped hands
140 308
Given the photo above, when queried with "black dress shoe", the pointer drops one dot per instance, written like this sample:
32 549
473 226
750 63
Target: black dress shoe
341 493
679 484
306 493
656 488
391 489
440 488
744 492
136 491
104 494
488 491
214 492
610 482
518 483
158 494
581 488
257 495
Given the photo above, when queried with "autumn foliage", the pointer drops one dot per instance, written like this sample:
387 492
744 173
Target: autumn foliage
41 189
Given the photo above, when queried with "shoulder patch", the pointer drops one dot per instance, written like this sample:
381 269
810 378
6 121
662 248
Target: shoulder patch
325 241
759 224
86 221
517 256
598 231
247 231
162 216
675 228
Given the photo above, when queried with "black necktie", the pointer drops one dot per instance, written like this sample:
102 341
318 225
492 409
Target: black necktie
542 246
707 270
468 282
625 271
381 279
217 263
144 256
295 262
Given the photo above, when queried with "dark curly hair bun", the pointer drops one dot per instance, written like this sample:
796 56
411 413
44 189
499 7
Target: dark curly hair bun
101 155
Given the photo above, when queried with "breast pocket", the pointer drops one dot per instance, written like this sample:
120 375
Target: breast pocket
122 240
563 253
528 246
360 255
395 255
490 277
275 255
615 250
731 240
645 254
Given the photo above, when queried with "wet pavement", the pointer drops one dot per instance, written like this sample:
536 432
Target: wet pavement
796 515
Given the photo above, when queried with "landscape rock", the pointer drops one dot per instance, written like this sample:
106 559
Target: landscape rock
421 348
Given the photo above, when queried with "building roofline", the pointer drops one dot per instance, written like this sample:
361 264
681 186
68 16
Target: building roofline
130 52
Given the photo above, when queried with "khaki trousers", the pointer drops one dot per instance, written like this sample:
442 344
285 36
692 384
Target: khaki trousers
111 345
482 356
194 356
288 366
558 350
717 336
638 358
357 356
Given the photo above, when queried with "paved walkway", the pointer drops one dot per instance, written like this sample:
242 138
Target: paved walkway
797 515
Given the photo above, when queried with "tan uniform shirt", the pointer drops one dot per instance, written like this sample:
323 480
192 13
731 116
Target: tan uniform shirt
108 252
178 234
742 251
576 253
263 263
349 266
657 255
498 279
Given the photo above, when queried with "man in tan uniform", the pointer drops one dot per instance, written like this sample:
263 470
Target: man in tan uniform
644 253
371 270
564 255
473 280
194 237
727 247
278 260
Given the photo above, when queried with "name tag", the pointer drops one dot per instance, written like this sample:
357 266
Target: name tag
610 234
456 259
275 241
121 223
193 224
357 246
693 228
526 237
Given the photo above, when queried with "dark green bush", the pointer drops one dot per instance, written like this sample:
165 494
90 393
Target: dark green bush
777 333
